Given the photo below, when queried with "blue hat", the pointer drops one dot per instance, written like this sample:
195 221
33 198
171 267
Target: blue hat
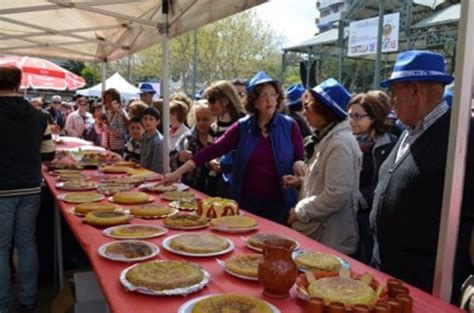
294 93
418 66
391 115
448 97
199 94
333 95
260 78
147 88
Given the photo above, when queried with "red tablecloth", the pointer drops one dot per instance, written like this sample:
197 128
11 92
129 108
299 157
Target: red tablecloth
120 300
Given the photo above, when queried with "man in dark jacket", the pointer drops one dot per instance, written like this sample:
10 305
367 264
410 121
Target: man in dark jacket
408 198
23 128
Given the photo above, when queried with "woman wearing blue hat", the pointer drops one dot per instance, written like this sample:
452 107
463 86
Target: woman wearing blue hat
329 181
294 107
267 144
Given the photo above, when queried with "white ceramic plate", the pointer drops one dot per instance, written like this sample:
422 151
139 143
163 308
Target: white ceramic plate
170 292
248 245
147 186
60 185
102 251
150 217
150 199
187 228
188 306
160 231
166 245
233 230
344 264
177 205
222 263
63 195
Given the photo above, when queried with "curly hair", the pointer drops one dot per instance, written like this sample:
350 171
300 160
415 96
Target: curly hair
136 109
114 93
252 97
376 110
223 89
181 96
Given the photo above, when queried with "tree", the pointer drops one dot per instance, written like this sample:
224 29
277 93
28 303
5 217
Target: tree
235 47
92 74
74 66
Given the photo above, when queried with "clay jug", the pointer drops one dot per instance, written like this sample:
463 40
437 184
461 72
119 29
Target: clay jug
277 271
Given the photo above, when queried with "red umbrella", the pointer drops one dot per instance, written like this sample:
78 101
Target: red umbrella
43 74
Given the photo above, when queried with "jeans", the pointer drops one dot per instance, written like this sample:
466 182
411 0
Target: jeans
18 222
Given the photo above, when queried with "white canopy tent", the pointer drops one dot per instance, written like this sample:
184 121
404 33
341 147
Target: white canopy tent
106 30
127 90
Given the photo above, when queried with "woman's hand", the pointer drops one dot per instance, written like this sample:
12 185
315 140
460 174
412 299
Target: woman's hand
300 168
292 217
171 178
175 176
184 155
290 181
215 165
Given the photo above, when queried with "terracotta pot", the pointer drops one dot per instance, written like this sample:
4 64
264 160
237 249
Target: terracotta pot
277 271
315 305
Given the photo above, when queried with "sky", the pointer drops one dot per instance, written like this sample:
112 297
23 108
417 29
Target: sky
292 19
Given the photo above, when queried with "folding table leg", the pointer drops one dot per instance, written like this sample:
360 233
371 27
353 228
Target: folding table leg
58 247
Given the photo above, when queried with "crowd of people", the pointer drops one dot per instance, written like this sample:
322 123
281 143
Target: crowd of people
332 165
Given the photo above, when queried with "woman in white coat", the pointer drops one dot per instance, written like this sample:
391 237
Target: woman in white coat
329 178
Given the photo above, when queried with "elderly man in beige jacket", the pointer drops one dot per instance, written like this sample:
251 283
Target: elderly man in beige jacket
329 183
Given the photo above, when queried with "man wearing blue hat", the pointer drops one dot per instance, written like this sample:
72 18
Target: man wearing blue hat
146 93
294 107
408 198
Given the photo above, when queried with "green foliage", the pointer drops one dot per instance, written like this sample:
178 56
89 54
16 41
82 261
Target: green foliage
235 47
91 73
74 66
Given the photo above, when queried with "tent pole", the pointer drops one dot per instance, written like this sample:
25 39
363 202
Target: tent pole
378 55
194 62
283 68
166 93
455 165
103 69
340 41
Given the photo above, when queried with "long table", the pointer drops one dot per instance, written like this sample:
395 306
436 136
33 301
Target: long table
121 300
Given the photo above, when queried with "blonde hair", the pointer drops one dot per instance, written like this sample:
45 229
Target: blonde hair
223 89
181 96
198 106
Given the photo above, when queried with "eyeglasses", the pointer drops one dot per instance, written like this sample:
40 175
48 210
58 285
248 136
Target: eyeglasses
263 96
357 117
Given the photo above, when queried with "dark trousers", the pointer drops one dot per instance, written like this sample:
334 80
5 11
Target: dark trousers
272 210
366 239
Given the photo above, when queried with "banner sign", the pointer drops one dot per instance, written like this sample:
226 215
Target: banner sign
363 35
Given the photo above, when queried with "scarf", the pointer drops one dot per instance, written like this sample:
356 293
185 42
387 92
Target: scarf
311 141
